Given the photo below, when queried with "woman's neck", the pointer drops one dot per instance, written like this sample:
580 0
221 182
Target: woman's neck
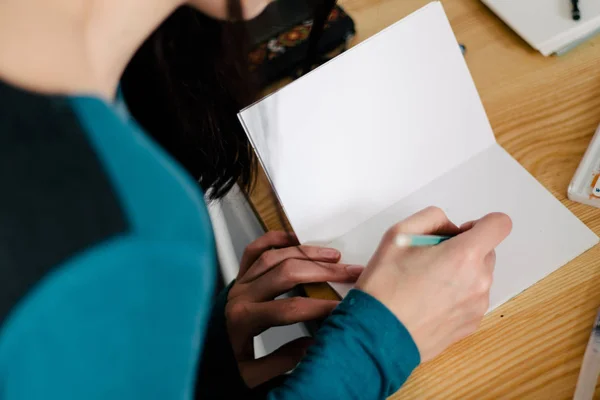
74 46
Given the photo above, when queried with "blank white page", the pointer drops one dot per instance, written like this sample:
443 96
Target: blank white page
545 235
368 128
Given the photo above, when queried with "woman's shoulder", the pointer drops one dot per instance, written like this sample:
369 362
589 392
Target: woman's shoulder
76 175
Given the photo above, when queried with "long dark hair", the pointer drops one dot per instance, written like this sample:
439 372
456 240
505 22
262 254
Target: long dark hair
186 84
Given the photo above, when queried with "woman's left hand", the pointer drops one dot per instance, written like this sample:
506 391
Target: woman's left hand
271 266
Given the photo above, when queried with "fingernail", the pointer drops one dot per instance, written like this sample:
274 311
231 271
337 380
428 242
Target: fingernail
355 270
330 253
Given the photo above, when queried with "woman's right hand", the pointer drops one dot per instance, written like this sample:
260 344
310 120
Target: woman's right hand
439 293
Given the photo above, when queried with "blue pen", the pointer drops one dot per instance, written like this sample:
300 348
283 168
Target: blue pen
408 240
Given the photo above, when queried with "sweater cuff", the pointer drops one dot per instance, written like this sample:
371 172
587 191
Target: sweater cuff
384 331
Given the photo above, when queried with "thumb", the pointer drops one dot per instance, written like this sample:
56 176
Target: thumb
485 234
282 360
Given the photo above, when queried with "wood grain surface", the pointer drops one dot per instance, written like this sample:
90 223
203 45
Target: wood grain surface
544 112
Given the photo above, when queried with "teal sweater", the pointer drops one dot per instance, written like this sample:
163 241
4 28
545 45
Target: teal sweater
108 272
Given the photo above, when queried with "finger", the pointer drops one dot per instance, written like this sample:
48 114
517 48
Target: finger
272 258
486 233
467 225
431 220
294 272
490 260
265 315
489 264
266 242
279 362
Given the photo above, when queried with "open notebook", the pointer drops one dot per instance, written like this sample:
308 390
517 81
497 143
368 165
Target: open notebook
392 126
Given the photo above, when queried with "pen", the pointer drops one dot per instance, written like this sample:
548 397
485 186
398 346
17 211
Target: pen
590 367
576 14
408 240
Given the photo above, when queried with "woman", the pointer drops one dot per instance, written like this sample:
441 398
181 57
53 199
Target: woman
108 259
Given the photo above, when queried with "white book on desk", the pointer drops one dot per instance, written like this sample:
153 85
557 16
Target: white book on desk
548 25
395 125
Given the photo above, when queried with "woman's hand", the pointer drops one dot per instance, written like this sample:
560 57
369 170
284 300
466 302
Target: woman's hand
439 293
271 266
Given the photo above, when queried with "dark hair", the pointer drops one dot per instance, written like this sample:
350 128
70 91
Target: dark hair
186 84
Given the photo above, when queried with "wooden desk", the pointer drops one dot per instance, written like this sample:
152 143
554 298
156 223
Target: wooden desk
544 112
